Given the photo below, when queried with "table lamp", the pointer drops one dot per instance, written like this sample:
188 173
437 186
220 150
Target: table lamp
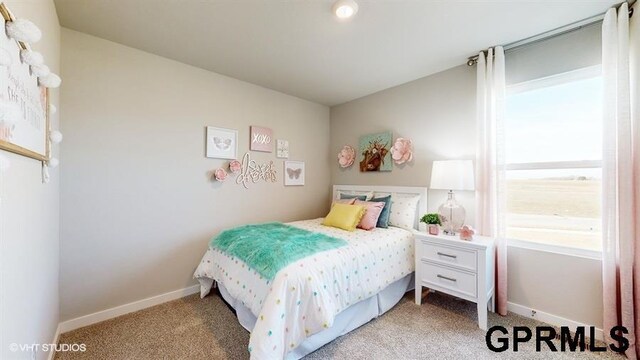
452 175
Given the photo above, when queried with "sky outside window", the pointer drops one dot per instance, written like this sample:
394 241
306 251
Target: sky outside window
556 123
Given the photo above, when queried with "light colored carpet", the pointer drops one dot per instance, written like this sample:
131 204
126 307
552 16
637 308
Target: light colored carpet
193 328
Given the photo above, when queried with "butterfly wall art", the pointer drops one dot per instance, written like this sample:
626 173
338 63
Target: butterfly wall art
222 143
293 173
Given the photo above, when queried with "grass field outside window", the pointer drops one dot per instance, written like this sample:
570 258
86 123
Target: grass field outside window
553 153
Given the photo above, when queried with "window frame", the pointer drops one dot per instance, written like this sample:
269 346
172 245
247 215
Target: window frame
530 85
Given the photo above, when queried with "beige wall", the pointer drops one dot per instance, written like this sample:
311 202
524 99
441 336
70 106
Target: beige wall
562 285
29 221
438 113
577 49
138 207
435 112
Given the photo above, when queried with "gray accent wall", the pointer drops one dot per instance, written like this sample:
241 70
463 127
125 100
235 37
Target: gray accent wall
138 205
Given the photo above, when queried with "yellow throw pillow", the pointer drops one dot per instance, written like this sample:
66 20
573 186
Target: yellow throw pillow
344 216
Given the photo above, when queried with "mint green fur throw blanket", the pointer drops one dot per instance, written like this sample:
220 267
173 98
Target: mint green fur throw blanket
269 247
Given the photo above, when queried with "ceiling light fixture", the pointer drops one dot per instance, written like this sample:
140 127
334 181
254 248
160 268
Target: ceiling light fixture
345 9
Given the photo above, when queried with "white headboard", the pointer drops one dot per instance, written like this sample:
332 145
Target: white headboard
387 190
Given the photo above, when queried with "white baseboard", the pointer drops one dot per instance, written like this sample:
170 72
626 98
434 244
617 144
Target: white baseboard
107 314
548 318
56 336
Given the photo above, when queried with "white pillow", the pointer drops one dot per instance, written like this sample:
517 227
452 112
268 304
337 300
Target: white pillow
403 211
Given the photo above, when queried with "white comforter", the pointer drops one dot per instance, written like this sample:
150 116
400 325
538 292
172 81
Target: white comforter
305 296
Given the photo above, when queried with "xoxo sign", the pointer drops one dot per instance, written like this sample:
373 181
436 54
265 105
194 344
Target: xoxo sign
261 139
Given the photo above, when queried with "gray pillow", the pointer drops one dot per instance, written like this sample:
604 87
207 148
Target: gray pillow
347 196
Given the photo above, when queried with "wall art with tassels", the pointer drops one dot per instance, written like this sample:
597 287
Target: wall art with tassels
25 82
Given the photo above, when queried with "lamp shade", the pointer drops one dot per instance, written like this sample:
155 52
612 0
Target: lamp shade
452 175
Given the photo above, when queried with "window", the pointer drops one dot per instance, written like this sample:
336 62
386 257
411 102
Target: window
553 151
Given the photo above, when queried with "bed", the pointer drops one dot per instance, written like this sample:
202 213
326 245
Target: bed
316 299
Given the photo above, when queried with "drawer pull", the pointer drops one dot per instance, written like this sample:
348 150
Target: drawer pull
447 255
447 278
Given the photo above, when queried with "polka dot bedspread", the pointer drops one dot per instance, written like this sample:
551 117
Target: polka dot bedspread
304 297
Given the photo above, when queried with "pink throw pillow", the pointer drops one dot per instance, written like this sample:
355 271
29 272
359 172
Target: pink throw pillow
373 211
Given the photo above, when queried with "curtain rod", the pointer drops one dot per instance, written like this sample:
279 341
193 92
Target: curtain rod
574 26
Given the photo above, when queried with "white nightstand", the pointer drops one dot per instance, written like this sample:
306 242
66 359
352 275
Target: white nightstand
460 268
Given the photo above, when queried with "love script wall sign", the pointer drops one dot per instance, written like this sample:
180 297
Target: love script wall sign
261 139
253 172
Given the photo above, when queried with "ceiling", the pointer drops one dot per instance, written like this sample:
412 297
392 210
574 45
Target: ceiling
298 47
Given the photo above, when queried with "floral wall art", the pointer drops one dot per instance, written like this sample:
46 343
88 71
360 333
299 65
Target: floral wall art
220 174
375 152
402 151
222 143
346 156
235 167
378 152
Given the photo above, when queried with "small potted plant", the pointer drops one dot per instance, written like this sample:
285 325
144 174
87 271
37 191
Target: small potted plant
433 222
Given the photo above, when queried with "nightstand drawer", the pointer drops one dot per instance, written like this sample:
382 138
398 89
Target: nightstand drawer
459 281
451 256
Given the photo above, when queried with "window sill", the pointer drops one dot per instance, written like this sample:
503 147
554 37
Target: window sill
555 249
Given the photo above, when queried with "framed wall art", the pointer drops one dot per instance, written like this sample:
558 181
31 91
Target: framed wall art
261 139
25 131
282 149
375 152
222 143
293 173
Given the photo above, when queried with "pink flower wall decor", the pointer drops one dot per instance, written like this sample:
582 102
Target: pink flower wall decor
466 233
220 174
346 156
235 166
402 151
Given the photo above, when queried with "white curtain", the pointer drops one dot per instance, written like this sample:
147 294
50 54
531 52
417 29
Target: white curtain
621 175
490 169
